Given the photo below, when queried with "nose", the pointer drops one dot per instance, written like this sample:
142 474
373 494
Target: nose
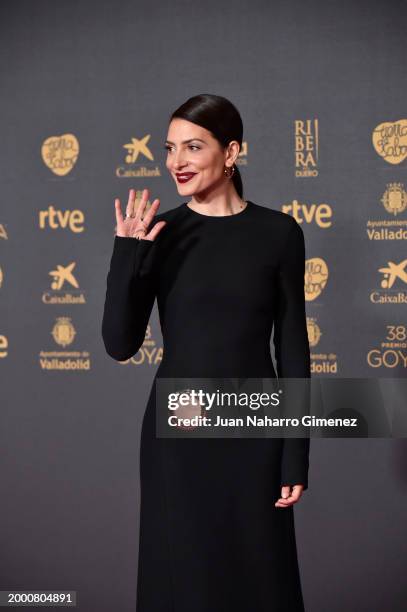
179 161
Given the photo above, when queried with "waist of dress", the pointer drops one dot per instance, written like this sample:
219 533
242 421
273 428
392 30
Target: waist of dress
199 367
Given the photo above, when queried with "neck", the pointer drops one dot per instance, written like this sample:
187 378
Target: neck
217 205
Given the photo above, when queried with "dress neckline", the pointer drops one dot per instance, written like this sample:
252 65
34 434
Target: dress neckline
217 217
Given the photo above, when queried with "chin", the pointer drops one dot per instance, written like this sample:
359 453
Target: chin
185 190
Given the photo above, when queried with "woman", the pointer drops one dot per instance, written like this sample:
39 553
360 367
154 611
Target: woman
216 518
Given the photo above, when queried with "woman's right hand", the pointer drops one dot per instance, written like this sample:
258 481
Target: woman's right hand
134 225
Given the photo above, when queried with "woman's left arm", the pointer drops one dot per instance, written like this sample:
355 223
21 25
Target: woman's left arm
291 345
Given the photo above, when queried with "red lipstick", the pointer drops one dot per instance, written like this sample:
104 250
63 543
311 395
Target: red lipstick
184 177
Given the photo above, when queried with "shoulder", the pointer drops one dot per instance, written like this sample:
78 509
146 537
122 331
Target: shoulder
277 221
169 215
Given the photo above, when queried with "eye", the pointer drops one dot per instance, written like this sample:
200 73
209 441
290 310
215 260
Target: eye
193 147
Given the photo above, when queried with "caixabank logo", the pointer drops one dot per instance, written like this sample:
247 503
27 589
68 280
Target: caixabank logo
60 153
138 159
64 286
393 283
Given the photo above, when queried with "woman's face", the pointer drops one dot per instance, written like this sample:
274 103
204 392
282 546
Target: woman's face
193 151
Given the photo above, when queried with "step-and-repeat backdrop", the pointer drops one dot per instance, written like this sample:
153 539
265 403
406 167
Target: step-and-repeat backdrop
87 90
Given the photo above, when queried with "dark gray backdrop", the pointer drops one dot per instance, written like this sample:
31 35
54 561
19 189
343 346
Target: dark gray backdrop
107 72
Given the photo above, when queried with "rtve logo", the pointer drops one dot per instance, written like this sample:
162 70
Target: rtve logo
321 214
58 219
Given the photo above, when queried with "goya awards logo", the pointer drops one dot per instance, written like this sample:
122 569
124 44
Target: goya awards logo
393 284
64 334
390 353
321 362
138 159
320 214
316 278
149 353
60 153
64 287
306 147
390 141
394 202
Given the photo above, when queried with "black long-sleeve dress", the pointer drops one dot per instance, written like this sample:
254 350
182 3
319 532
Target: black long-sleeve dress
211 538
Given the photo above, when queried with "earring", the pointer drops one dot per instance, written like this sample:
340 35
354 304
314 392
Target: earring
229 173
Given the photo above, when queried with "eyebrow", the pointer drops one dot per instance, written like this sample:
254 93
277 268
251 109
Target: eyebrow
186 141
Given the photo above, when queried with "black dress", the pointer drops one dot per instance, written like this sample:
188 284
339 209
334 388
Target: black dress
211 539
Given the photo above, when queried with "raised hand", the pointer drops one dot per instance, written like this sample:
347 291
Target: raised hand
134 224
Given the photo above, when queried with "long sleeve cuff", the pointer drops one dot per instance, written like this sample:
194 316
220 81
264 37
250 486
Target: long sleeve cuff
130 293
295 462
125 247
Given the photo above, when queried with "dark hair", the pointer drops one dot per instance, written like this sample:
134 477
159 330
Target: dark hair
220 117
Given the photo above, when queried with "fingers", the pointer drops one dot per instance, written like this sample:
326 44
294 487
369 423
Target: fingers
156 230
118 212
135 209
285 500
135 206
288 497
285 503
130 203
151 212
139 209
